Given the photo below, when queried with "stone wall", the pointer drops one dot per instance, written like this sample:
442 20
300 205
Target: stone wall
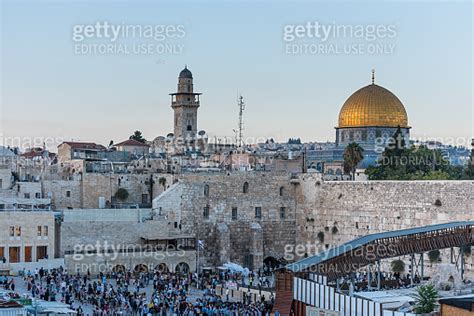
360 208
340 211
227 238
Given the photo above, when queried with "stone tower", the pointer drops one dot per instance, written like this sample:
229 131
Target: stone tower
185 103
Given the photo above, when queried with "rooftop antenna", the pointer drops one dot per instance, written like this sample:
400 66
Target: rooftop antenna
241 105
373 76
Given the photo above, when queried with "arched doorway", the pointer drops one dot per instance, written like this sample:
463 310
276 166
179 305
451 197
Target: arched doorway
140 268
182 267
119 268
162 267
271 262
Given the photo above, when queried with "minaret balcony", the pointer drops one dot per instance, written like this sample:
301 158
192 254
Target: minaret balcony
185 103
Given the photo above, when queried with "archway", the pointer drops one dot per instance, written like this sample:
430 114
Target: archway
119 268
182 267
271 262
162 267
140 268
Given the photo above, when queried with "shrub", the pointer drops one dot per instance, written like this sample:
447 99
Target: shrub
466 250
434 256
121 194
334 230
398 266
437 202
425 299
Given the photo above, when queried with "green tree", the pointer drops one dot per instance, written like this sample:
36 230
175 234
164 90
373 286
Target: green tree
434 255
425 299
398 266
137 135
353 155
121 194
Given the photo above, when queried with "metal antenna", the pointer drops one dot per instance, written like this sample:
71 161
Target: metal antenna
241 105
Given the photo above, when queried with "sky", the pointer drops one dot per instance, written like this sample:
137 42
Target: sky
52 91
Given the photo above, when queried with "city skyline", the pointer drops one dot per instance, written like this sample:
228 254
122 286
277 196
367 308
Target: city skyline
58 93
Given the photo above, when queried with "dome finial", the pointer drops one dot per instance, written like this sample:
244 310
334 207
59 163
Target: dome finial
373 76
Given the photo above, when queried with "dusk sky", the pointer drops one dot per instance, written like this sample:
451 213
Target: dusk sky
49 90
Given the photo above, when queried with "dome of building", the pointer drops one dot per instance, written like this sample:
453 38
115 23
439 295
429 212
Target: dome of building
373 105
185 73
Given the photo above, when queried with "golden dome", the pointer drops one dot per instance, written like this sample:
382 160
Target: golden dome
373 105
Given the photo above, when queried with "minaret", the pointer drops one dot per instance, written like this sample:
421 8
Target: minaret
185 104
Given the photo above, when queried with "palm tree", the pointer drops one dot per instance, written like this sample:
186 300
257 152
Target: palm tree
425 299
353 154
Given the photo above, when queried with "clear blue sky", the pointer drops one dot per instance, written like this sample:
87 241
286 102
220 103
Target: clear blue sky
231 47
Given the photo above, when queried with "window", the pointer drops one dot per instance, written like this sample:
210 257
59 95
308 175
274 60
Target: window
234 213
27 195
2 252
45 230
206 190
282 212
68 193
1 183
144 198
364 135
189 128
12 231
378 133
258 212
246 187
39 231
282 191
18 231
205 213
38 195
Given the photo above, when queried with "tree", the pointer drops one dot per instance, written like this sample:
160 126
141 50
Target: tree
121 194
425 299
434 255
137 135
469 171
353 155
398 266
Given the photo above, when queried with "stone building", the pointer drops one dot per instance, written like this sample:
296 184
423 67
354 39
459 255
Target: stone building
126 239
27 236
79 150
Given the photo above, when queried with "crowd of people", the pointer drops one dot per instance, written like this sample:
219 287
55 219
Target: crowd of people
137 293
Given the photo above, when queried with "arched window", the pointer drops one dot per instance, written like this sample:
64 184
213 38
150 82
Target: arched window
246 187
206 190
282 191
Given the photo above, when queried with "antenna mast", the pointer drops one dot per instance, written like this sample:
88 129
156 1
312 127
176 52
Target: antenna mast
241 105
